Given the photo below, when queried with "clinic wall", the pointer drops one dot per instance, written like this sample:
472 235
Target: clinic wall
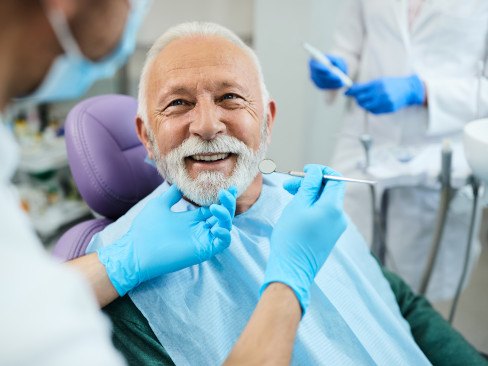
233 14
305 128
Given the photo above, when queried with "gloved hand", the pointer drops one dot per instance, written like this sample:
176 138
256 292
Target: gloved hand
388 94
306 232
160 241
322 77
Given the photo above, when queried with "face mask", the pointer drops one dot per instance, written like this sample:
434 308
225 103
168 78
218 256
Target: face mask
72 74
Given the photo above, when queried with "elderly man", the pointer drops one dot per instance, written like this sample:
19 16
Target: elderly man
206 118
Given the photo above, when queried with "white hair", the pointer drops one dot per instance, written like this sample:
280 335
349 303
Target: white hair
186 30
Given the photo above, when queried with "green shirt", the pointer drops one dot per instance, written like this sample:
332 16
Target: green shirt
442 344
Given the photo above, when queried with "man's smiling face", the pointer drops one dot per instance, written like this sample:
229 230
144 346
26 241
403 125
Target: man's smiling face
207 118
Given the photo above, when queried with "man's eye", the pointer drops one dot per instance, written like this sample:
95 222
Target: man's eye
230 96
176 103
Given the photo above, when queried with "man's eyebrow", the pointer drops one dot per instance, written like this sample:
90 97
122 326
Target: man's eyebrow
172 91
230 85
176 89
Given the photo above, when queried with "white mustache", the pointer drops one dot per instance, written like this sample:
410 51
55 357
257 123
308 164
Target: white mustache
221 144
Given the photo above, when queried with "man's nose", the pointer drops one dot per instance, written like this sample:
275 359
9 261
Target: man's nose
206 123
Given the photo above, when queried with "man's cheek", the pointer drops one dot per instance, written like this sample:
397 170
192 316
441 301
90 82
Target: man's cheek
170 137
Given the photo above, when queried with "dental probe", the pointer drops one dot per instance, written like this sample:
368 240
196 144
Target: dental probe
324 60
334 177
268 166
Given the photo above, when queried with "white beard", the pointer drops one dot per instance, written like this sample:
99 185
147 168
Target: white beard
204 189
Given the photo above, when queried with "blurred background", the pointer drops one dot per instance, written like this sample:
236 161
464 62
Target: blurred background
305 129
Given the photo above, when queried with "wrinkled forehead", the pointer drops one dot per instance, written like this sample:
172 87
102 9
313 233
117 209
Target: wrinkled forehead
195 59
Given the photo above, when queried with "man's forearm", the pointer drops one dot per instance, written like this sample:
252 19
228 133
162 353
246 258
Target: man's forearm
270 334
96 275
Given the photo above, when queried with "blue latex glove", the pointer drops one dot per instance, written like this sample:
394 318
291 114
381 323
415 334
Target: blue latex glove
306 232
322 77
388 94
160 241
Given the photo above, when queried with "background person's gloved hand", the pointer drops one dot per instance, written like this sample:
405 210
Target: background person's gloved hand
388 94
322 77
160 241
306 232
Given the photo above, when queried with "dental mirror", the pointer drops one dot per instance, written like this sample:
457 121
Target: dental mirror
267 166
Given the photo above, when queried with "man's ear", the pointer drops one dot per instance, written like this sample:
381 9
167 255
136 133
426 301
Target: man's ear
143 134
270 117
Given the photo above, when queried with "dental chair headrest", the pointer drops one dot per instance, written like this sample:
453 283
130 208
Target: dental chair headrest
105 155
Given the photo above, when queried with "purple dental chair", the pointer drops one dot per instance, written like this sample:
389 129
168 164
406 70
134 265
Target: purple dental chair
107 162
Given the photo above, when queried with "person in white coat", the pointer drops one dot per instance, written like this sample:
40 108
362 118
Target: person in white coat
416 65
52 50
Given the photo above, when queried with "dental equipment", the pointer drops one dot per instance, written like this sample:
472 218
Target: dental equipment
446 195
320 57
268 166
366 142
378 244
475 157
476 187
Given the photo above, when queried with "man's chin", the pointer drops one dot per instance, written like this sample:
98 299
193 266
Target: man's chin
199 202
204 190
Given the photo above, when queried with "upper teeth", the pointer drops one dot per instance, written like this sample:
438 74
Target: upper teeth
213 157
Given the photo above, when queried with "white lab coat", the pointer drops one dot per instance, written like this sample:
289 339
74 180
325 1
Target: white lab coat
48 315
444 47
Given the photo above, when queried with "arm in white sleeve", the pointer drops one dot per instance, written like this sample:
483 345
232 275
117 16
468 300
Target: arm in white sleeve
48 314
452 102
349 35
348 40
